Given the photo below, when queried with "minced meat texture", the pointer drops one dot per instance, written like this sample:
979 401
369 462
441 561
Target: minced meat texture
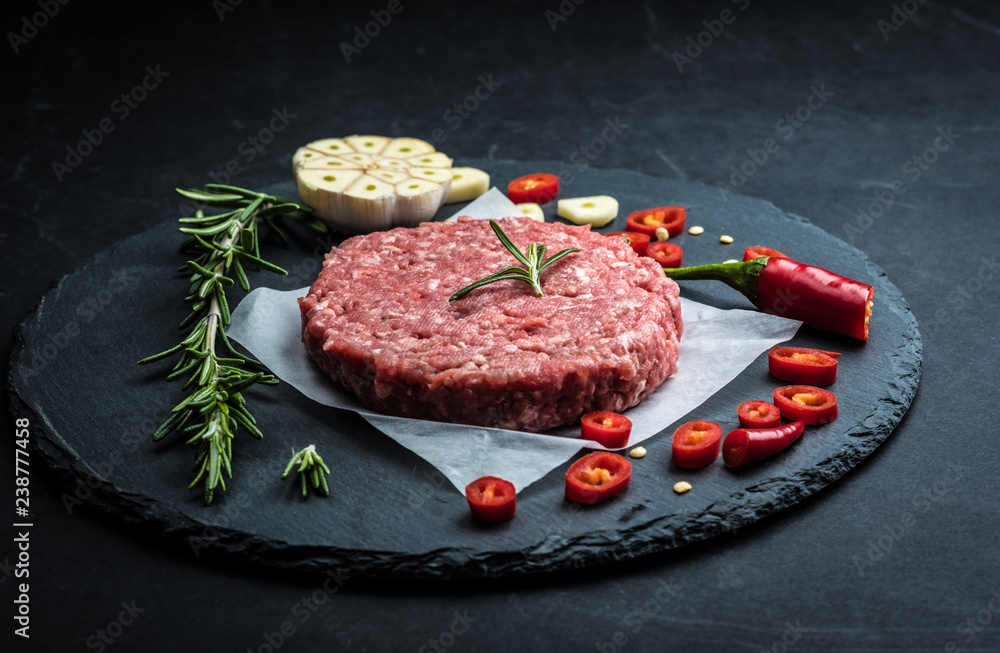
603 337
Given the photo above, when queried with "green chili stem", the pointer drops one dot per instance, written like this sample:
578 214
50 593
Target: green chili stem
739 276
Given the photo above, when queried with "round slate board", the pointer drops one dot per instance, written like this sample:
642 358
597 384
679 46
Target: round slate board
92 410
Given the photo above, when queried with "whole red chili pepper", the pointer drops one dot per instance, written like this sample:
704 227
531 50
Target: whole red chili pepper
781 286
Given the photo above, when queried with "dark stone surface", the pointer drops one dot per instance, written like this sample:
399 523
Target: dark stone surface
375 495
901 553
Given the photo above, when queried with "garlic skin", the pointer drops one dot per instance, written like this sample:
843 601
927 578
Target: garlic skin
360 184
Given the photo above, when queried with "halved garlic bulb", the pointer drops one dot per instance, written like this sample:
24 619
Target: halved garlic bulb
360 184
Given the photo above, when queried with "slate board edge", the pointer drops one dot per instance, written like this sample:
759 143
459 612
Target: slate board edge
560 553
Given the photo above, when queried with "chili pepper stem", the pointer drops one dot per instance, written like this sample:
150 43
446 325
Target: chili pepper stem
742 276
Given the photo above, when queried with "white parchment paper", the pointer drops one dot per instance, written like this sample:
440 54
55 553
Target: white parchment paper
717 345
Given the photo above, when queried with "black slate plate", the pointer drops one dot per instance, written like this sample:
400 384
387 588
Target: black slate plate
92 409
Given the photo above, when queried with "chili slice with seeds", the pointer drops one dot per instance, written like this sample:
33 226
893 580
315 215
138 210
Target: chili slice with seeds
667 254
491 499
597 477
803 365
647 220
758 415
806 403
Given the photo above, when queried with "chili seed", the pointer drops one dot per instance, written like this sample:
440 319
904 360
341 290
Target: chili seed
681 487
638 452
726 240
732 260
662 234
696 231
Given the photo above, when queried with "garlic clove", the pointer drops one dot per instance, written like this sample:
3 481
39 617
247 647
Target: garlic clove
368 144
467 184
406 147
597 210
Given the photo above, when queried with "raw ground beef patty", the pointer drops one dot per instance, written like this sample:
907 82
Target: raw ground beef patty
603 337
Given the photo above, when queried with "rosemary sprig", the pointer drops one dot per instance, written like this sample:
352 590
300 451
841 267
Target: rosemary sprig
534 261
225 244
312 470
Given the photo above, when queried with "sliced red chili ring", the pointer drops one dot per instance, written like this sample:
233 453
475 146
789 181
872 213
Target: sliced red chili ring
647 221
607 428
696 444
538 188
491 499
806 403
667 254
803 365
597 477
758 415
756 251
639 241
745 446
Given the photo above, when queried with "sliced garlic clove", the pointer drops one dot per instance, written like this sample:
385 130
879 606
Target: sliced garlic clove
323 190
406 147
467 184
332 163
368 144
431 160
392 164
363 160
421 198
439 175
532 210
598 210
304 156
368 187
330 146
410 187
388 176
325 180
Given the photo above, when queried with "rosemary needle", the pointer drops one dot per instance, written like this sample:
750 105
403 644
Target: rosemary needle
224 245
312 470
534 262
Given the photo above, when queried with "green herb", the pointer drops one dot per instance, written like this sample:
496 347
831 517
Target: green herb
312 470
534 261
225 243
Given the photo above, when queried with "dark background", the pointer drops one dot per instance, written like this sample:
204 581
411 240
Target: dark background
920 512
